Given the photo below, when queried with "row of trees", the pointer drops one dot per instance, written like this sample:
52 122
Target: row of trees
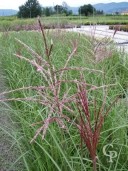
32 9
58 9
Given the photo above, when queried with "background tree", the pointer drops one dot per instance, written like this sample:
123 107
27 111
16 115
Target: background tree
68 12
65 5
66 9
47 11
62 9
59 9
30 9
87 10
99 12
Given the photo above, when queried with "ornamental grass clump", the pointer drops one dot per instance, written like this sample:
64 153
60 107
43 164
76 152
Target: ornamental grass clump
90 131
60 104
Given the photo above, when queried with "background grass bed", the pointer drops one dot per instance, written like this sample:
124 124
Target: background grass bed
15 24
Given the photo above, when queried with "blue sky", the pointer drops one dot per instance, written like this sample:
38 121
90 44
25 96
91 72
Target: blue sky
14 4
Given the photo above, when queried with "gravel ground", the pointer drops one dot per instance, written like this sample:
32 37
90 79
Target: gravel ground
8 150
102 31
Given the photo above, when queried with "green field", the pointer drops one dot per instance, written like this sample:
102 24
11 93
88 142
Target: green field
75 61
15 24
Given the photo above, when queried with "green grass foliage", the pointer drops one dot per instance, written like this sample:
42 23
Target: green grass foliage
61 150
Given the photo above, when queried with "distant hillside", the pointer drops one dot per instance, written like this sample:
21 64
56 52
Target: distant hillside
112 7
106 7
7 12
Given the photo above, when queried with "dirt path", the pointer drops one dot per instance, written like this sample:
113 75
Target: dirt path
8 147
